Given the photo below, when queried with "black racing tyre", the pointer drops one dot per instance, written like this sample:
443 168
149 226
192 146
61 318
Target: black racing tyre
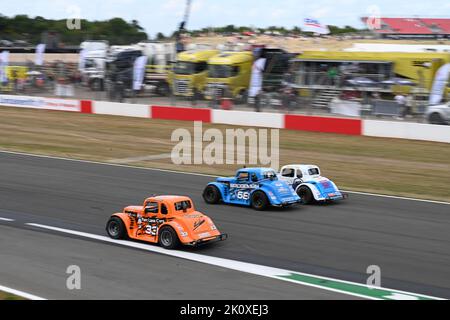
435 118
260 201
168 238
116 228
211 195
306 195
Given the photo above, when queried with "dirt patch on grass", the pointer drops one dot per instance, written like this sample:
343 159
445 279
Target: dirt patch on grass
388 166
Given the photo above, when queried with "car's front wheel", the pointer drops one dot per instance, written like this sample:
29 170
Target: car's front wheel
211 195
168 238
116 228
260 201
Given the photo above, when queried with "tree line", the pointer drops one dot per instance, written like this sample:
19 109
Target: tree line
230 29
116 30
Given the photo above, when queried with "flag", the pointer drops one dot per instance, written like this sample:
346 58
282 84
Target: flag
39 59
4 61
440 82
139 72
313 25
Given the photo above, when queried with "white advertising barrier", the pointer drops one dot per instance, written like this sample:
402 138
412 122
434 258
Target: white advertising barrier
248 118
40 103
346 108
406 130
121 109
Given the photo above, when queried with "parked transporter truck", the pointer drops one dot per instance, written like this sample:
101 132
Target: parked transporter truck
229 73
229 76
189 74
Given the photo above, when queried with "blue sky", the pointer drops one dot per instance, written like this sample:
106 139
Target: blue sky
164 15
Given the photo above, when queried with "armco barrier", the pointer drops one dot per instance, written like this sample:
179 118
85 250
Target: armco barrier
121 109
40 103
181 113
372 128
248 118
406 130
324 124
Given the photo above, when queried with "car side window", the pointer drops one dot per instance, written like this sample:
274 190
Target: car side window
288 173
164 210
299 174
151 208
243 176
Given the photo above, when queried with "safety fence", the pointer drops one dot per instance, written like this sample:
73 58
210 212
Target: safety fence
346 126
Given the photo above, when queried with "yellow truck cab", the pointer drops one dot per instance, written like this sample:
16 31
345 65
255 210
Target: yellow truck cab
189 73
229 75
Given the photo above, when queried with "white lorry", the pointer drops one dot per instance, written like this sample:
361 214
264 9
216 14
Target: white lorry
93 66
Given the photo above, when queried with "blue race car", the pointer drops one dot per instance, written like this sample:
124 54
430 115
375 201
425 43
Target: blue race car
255 187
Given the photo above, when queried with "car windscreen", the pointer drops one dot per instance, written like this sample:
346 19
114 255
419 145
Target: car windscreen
183 205
314 172
222 71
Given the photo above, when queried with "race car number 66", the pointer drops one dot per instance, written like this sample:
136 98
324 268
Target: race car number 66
243 195
240 309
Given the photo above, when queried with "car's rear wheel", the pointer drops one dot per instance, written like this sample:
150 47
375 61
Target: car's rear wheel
211 195
116 228
168 238
436 118
260 201
306 195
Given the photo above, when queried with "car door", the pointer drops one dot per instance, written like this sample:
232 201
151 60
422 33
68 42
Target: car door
240 190
150 220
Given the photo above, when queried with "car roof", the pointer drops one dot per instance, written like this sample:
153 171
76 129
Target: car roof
301 166
255 170
169 198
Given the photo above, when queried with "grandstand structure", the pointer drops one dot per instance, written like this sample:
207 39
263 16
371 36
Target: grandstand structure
413 28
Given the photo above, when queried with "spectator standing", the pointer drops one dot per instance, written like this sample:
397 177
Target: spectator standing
401 102
332 75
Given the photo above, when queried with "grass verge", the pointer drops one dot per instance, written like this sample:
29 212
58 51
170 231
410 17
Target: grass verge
9 296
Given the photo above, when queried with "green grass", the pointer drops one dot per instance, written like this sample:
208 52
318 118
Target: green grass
9 296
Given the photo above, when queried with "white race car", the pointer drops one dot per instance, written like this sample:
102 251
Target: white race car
309 184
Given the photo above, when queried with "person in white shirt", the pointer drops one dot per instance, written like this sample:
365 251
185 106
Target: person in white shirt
401 101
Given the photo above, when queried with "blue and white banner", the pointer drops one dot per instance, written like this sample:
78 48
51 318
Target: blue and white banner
139 72
4 61
39 59
313 25
440 83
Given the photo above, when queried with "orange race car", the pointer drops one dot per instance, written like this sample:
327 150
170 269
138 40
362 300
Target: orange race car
167 220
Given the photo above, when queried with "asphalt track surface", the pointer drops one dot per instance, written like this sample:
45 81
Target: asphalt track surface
409 240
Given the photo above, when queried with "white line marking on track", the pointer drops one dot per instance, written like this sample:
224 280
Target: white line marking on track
20 293
260 270
197 174
395 197
6 219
